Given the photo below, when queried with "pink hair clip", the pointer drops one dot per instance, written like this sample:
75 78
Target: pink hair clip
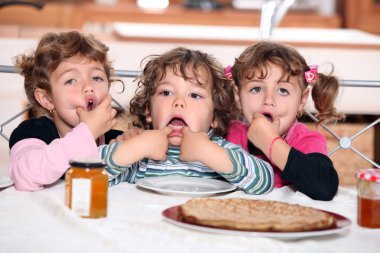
228 73
311 75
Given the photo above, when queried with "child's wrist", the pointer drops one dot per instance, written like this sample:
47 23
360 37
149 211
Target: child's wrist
275 139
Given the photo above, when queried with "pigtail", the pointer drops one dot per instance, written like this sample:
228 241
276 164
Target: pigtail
324 92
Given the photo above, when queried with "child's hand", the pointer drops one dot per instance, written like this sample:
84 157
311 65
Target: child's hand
151 144
192 145
155 142
127 135
262 131
197 147
99 120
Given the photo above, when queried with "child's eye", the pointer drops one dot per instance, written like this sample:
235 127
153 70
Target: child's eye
283 91
195 95
98 79
255 89
165 93
70 82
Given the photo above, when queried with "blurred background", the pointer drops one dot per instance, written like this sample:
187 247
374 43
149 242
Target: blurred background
75 14
344 32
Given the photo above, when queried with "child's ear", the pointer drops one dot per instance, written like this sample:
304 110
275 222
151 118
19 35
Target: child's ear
148 117
304 97
214 123
44 99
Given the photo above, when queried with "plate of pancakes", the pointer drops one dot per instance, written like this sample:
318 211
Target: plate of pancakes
258 218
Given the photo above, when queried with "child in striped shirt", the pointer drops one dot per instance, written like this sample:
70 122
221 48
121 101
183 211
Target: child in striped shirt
185 105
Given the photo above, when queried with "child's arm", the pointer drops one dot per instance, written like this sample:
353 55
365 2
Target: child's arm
304 164
196 146
127 135
251 174
264 135
247 172
312 174
34 164
121 156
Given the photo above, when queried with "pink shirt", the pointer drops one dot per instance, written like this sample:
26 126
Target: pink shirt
298 137
34 164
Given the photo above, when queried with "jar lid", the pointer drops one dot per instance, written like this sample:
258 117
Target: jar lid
372 175
87 163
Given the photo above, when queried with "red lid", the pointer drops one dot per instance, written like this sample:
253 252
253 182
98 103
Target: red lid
372 175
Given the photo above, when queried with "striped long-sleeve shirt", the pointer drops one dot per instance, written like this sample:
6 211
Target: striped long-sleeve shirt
250 174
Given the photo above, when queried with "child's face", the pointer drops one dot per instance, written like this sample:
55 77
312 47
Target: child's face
76 82
273 97
180 103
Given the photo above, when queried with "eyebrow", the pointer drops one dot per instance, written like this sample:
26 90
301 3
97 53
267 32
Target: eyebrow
65 71
284 81
74 69
191 81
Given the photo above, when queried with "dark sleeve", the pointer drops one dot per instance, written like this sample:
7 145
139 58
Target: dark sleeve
312 174
41 128
112 134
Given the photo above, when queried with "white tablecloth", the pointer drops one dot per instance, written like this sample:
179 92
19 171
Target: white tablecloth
40 222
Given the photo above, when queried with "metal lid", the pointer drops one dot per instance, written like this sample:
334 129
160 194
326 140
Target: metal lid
87 163
372 175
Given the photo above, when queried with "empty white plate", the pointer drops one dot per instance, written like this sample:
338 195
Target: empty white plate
185 186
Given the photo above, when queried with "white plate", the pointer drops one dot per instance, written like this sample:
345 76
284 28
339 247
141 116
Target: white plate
185 186
171 215
5 182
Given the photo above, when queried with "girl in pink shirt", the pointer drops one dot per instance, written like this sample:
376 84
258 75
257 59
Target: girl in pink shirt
68 76
273 82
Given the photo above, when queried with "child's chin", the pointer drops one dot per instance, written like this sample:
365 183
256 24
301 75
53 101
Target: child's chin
175 141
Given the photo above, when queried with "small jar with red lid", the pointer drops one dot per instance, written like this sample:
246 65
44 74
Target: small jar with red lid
369 198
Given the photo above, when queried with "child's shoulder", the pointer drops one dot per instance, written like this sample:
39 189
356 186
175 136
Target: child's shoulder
302 130
41 128
237 127
35 124
305 139
237 124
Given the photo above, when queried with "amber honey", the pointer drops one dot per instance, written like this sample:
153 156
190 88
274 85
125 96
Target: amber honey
369 198
86 188
369 213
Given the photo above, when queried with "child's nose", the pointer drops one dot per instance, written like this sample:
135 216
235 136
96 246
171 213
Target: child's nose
88 88
268 100
179 103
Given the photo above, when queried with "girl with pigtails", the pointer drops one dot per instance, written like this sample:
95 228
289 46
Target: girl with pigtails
273 82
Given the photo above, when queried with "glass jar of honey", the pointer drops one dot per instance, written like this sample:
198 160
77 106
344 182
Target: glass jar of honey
369 198
86 188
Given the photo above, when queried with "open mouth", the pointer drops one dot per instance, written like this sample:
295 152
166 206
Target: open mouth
90 104
177 123
268 116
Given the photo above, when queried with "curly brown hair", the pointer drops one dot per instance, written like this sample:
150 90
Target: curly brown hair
180 59
53 49
255 61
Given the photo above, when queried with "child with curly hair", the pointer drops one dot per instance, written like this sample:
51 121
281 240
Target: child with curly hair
185 104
